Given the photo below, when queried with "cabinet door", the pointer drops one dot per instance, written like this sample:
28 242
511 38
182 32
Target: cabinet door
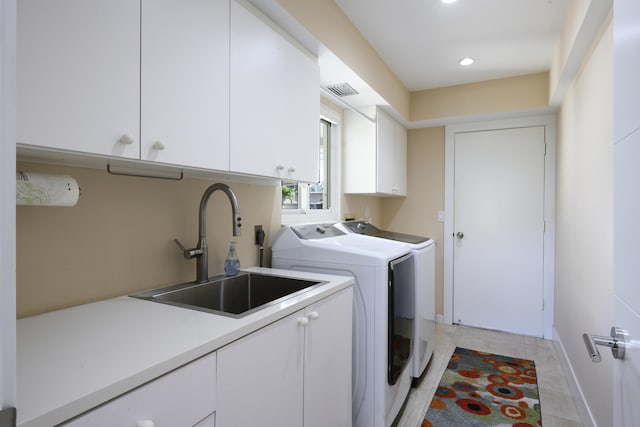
210 421
399 187
359 153
78 75
385 158
185 82
391 156
182 397
327 373
275 102
260 377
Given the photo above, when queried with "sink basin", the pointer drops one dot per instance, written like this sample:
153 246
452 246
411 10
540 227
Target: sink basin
235 296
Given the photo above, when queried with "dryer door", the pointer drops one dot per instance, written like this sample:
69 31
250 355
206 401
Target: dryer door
401 316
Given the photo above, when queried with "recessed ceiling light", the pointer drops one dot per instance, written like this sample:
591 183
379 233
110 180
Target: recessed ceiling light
465 62
448 1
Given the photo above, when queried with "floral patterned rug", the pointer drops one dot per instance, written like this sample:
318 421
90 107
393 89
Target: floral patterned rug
483 389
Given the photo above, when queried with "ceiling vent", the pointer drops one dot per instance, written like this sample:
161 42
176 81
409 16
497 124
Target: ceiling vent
342 89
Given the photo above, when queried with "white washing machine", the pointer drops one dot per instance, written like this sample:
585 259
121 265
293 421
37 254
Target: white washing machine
424 252
383 314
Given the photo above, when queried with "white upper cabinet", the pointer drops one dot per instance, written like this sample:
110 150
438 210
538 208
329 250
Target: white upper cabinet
275 102
100 78
399 184
375 154
193 83
185 82
78 80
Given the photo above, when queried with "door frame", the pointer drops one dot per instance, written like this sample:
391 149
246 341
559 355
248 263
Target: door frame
549 123
7 207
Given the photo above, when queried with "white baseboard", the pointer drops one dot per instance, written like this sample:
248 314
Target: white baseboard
581 403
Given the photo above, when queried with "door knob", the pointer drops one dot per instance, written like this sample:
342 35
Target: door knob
616 341
460 235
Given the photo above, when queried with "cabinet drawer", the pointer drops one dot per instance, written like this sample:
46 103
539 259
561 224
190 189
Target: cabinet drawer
183 397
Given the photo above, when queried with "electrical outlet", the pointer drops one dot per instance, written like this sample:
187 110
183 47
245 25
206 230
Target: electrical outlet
257 230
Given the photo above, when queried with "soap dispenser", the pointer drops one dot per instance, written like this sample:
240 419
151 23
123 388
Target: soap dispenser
232 263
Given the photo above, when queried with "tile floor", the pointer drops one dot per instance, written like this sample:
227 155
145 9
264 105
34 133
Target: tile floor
558 406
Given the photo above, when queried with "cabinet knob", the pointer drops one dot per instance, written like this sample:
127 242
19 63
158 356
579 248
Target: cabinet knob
313 315
126 139
158 145
303 321
145 423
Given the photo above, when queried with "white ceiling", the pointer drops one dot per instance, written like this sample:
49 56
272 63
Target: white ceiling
422 40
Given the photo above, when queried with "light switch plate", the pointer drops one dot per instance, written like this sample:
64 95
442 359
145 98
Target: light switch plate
440 216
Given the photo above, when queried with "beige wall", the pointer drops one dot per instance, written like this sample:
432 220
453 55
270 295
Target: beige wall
494 96
418 212
119 237
584 216
356 207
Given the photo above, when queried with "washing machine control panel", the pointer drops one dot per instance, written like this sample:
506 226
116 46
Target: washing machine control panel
316 231
362 227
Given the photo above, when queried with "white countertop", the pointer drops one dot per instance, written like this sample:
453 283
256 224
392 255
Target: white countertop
72 360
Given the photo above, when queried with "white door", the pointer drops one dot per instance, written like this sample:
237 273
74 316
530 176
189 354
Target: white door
626 274
626 254
499 229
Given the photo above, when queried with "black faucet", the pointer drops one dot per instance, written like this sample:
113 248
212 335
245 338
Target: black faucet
201 252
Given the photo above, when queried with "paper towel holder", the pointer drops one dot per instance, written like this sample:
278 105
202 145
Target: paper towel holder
39 189
111 172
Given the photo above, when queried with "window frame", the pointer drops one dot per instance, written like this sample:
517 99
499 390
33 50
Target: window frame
300 216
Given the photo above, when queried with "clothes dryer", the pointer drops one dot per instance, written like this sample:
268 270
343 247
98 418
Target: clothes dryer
383 315
424 251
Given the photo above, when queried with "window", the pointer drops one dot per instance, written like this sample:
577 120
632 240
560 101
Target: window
302 202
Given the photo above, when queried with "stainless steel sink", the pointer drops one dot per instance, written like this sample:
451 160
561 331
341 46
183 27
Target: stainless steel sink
235 296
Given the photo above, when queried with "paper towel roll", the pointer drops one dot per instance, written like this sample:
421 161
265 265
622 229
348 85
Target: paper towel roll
46 190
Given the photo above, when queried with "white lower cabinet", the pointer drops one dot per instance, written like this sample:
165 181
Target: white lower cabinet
294 372
184 397
210 421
